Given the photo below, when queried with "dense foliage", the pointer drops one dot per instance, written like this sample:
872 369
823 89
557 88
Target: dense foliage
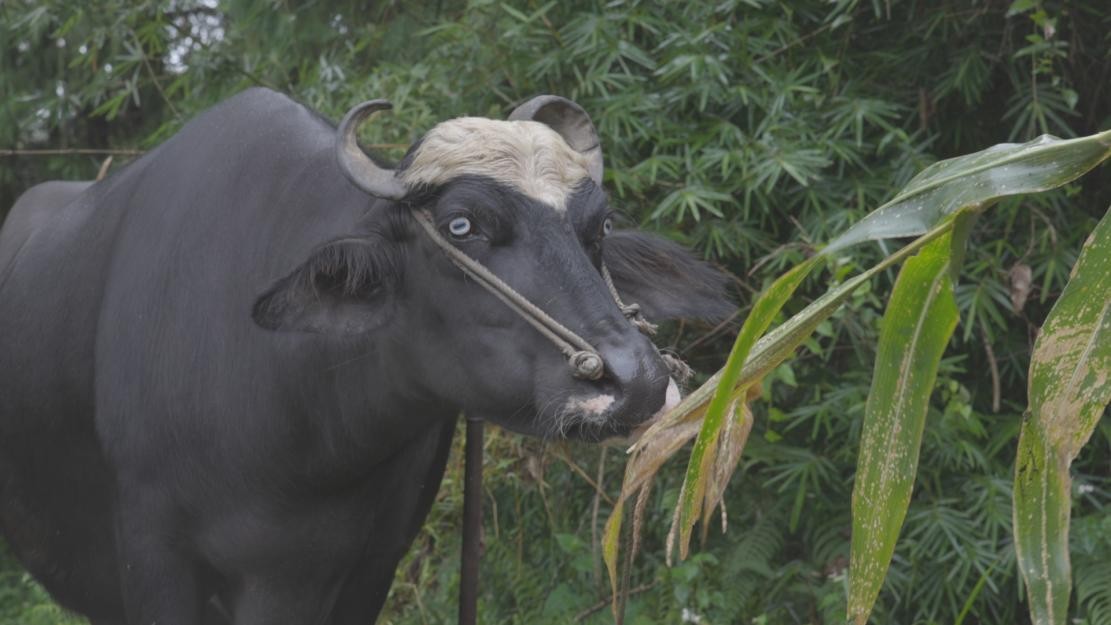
747 129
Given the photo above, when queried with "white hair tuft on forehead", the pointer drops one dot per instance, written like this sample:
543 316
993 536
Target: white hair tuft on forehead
524 155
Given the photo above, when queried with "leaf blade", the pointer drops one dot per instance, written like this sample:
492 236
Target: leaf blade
1069 387
952 185
921 316
699 468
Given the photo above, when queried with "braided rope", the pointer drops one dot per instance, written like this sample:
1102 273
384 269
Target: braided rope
585 361
631 311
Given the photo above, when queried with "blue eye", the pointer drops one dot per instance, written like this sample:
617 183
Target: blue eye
459 227
607 227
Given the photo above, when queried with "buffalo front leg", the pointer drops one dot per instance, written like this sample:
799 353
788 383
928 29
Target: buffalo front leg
396 525
160 579
365 591
291 596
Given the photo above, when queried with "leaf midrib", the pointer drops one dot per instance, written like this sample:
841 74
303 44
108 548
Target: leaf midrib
904 372
964 173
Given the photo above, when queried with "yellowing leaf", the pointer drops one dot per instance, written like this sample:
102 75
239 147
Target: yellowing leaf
705 450
1070 385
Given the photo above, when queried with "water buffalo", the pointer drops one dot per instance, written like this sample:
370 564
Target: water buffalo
231 370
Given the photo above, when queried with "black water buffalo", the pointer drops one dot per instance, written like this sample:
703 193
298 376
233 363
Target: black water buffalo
231 371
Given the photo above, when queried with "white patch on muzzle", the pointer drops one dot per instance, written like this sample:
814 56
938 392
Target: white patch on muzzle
524 155
590 406
594 409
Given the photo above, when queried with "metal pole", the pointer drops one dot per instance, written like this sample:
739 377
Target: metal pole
472 524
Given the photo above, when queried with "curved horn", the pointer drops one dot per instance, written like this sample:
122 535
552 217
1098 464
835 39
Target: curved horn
356 165
571 122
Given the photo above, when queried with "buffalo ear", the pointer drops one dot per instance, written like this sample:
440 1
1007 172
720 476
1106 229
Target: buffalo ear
345 287
664 278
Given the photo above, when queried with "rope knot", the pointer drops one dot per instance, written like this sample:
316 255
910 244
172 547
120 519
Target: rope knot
679 370
586 365
633 314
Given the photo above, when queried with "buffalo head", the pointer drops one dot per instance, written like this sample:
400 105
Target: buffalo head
522 197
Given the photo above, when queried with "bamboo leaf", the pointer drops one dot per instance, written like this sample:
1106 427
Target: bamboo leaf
921 316
974 180
1070 385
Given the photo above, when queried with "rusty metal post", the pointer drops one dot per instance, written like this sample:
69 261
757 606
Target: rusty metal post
472 524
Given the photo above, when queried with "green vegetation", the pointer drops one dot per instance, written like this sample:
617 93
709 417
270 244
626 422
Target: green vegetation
1069 377
750 130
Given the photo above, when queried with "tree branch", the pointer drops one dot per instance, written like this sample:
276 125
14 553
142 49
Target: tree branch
72 152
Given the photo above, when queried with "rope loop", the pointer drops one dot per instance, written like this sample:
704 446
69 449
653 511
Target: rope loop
631 310
635 317
679 369
586 365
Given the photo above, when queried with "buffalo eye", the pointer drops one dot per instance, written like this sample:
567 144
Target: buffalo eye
459 227
607 226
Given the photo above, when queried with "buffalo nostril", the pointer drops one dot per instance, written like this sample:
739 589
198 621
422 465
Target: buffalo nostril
639 376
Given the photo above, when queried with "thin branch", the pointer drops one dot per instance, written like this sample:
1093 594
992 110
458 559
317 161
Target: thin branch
801 40
581 473
581 616
595 543
725 323
195 10
72 152
16 152
154 78
253 77
994 369
385 146
100 175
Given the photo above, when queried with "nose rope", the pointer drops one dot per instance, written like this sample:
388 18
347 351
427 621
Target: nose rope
585 361
678 369
631 311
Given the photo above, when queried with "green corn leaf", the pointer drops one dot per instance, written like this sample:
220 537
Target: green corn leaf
929 204
611 544
921 316
943 193
1070 385
962 229
699 468
734 436
674 429
975 180
768 353
1041 518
